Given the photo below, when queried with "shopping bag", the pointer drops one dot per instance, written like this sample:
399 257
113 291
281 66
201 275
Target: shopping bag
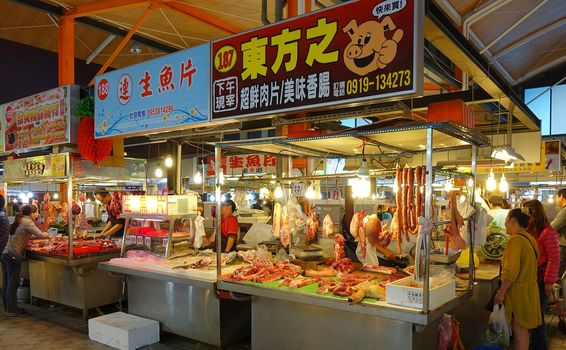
498 330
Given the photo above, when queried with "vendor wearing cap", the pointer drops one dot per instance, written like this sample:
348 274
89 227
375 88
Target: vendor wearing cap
228 226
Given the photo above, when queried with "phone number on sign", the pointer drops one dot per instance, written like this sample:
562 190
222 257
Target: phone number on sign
391 80
160 110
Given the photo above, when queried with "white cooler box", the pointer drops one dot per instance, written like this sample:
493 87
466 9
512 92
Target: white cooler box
123 331
399 293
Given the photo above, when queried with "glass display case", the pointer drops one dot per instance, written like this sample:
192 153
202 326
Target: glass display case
166 236
161 225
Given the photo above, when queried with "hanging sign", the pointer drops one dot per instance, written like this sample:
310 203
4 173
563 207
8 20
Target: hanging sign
359 51
40 120
243 164
40 167
167 93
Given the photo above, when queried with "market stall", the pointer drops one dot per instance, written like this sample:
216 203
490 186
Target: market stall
63 268
379 303
168 278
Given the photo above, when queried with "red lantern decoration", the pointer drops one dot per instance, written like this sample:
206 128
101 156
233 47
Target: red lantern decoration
89 148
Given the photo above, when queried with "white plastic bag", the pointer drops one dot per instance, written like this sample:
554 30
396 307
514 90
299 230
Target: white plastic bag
498 330
199 231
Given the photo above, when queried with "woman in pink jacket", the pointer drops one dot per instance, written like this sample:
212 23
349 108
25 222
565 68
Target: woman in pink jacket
548 262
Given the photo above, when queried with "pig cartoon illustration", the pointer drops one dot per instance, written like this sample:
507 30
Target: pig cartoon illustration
370 49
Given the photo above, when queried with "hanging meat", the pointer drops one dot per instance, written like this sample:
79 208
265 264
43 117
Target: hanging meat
48 210
355 224
362 235
378 237
277 220
339 247
312 226
456 223
394 231
327 226
419 192
285 229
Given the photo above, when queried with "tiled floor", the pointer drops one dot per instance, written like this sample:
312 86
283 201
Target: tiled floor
50 327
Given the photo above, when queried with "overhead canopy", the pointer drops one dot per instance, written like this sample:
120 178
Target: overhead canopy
392 140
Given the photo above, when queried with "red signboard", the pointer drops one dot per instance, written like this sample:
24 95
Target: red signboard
359 51
243 164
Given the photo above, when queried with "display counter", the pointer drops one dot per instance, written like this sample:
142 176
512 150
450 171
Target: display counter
73 282
184 301
301 321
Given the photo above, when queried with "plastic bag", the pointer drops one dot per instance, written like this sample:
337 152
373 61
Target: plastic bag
199 231
445 333
498 330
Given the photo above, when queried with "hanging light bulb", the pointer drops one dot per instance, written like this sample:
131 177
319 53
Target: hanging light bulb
550 199
490 183
158 171
503 185
168 161
212 198
309 194
55 195
471 182
278 191
448 185
197 178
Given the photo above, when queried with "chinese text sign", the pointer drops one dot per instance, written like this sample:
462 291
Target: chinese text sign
167 93
359 51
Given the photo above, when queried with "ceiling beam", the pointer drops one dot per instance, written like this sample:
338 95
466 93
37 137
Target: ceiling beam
98 7
58 11
443 35
205 17
141 19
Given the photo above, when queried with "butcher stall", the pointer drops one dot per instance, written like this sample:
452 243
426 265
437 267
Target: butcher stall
297 301
63 268
169 279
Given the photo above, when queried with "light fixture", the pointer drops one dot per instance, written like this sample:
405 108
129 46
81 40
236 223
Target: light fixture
212 198
550 199
30 194
221 177
448 185
197 178
503 185
490 183
14 200
278 191
168 161
158 171
471 182
135 49
309 193
55 195
506 154
362 186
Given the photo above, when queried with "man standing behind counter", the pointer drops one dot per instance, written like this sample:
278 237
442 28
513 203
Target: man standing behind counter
114 226
559 224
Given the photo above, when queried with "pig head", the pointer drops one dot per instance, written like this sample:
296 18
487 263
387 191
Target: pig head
369 48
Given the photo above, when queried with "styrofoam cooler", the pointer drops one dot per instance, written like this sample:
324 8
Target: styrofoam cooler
398 293
123 331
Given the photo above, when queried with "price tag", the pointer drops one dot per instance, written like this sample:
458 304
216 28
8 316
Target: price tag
128 240
165 242
139 240
147 242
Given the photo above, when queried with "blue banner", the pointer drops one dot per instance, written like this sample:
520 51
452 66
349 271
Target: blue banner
168 93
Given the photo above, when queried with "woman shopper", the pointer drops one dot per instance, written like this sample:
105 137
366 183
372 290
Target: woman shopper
519 287
23 230
548 263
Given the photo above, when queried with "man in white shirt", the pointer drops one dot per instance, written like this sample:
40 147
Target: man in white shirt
559 224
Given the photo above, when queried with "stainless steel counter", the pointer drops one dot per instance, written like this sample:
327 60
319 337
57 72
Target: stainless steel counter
184 304
76 282
288 320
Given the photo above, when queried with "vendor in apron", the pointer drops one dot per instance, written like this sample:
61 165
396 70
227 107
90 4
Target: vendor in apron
228 226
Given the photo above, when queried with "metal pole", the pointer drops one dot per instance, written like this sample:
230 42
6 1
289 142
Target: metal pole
218 162
178 166
425 236
70 200
290 174
472 222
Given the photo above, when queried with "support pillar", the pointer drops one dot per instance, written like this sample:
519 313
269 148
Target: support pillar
66 38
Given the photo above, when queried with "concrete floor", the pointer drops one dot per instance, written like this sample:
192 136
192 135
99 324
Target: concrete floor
55 327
